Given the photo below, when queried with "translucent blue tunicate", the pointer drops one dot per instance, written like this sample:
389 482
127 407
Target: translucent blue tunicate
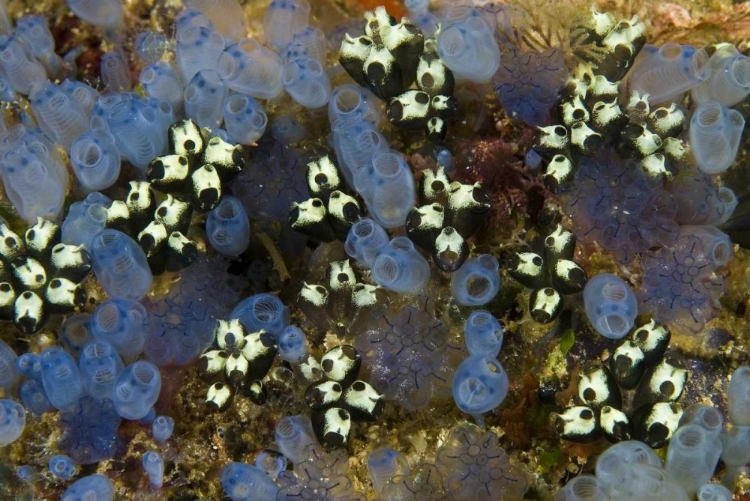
159 80
272 462
356 142
29 364
85 95
417 6
198 48
692 456
383 464
120 265
663 74
427 22
476 282
483 334
716 245
7 94
21 69
34 31
115 72
262 311
12 421
227 16
61 378
25 473
92 488
735 453
306 81
738 395
90 430
59 116
75 333
189 18
9 365
351 100
479 385
292 344
95 160
100 365
203 98
713 492
729 82
162 428
228 228
466 44
244 119
444 159
387 186
287 130
62 467
294 434
106 14
400 267
611 305
119 322
309 42
365 239
248 67
284 18
34 398
244 482
715 133
582 488
85 219
153 465
151 46
136 390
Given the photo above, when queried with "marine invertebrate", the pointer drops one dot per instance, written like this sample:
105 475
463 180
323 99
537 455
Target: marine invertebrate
89 430
611 305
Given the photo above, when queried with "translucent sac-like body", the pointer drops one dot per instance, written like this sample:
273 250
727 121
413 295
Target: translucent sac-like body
227 16
61 378
100 365
351 100
610 462
400 267
637 481
738 395
161 429
12 421
33 397
582 488
59 116
665 73
62 467
262 312
159 80
480 384
356 141
136 390
249 68
713 492
203 98
729 82
287 130
306 81
611 305
153 465
735 453
387 187
383 465
228 228
115 72
92 488
466 44
89 430
8 368
309 42
292 344
692 456
75 333
294 435
244 118
85 219
198 48
34 31
106 14
21 69
119 322
85 95
476 282
284 18
715 133
244 482
151 46
95 160
120 265
483 334
365 239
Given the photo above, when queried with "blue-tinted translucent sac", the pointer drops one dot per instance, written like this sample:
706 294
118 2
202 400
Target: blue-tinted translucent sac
90 430
715 133
61 378
162 428
7 94
8 366
75 333
701 200
59 116
153 465
483 334
284 18
467 46
663 74
272 462
306 81
738 395
383 464
160 81
262 312
203 98
729 82
190 17
227 16
29 364
716 245
119 322
198 48
244 118
115 72
25 473
85 219
21 69
365 239
92 488
228 228
120 265
735 453
34 30
62 467
85 95
292 344
12 421
33 397
351 100
705 416
400 267
479 385
611 306
611 460
247 67
95 160
387 186
582 488
99 364
287 130
106 14
151 46
136 390
356 142
294 435
476 282
713 492
692 456
244 482
309 42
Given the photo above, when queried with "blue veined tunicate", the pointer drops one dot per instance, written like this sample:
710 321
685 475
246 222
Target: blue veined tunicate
476 282
387 186
136 389
244 482
159 80
663 74
466 44
284 18
244 118
306 81
120 265
250 68
729 82
227 16
95 160
400 267
203 99
365 239
61 378
715 133
106 14
611 305
228 228
100 365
